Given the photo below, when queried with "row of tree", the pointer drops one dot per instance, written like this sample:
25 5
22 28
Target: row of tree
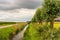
48 12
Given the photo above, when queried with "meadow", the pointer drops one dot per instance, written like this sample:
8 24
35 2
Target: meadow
6 23
37 32
56 24
33 32
6 33
9 32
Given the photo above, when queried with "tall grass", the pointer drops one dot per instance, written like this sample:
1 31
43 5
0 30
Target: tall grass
41 33
10 32
6 33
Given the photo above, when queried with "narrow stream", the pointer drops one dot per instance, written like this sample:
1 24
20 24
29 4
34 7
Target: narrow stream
19 36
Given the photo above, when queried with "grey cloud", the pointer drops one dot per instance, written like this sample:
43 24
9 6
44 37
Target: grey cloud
30 4
19 15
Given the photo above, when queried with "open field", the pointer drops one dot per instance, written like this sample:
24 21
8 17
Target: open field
6 23
56 24
9 32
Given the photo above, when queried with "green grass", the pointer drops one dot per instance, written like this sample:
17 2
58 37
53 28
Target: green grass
19 26
6 33
41 33
31 33
56 25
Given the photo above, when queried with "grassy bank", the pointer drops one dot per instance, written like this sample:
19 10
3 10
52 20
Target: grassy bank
10 32
6 33
37 32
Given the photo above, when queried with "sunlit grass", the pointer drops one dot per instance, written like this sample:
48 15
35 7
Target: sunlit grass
37 31
56 24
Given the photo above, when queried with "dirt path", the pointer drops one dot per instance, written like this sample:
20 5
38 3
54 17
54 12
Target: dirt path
19 36
5 26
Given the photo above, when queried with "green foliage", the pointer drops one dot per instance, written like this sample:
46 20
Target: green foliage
31 33
52 8
38 17
41 33
9 33
5 33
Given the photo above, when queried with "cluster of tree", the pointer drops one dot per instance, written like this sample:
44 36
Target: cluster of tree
48 12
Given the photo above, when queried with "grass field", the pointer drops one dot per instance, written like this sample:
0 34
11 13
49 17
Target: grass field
37 32
8 33
56 24
6 23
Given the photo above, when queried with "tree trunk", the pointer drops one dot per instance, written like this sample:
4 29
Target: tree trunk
46 23
52 23
40 22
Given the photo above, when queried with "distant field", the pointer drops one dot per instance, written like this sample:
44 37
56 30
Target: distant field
6 23
20 25
56 24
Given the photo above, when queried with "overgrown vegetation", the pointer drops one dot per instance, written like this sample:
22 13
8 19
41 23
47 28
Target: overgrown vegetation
45 16
6 33
41 33
10 32
48 12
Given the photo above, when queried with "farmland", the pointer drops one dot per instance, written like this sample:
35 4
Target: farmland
9 32
6 23
56 24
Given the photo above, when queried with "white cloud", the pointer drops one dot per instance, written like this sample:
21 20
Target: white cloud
18 10
17 15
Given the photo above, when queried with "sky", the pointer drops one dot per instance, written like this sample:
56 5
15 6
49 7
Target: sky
18 10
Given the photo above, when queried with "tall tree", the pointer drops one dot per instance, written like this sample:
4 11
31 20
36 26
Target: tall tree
38 17
52 8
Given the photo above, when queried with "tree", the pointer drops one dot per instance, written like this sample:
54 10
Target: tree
52 9
38 17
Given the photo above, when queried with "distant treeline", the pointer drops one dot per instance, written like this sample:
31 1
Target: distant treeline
1 23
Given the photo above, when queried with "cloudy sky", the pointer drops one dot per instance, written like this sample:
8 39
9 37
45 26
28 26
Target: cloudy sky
18 10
